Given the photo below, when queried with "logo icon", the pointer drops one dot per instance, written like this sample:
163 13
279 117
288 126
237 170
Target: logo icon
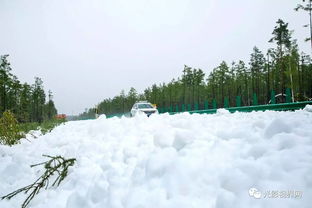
253 192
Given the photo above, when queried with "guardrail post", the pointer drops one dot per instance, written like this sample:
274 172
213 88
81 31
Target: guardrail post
226 102
206 104
273 101
214 104
238 101
254 99
288 95
196 106
183 108
189 107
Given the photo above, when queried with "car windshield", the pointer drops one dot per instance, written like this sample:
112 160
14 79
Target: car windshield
145 105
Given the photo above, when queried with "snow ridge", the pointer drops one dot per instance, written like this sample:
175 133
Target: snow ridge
170 161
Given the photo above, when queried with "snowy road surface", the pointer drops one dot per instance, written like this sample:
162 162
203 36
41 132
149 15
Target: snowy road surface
180 161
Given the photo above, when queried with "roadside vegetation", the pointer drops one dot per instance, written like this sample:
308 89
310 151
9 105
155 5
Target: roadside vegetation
26 101
23 107
45 126
11 131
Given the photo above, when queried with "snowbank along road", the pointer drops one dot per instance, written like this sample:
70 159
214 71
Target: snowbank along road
258 159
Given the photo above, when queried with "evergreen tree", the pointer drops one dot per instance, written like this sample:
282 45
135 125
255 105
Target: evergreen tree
308 8
38 100
282 37
50 110
5 80
257 62
26 102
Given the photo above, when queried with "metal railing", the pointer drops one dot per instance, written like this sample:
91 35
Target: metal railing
273 107
210 108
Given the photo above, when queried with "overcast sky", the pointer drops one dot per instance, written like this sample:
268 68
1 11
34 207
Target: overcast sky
88 50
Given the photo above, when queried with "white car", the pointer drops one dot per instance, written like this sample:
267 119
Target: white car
143 107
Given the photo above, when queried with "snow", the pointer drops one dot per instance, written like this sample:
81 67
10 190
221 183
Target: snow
308 108
218 161
222 111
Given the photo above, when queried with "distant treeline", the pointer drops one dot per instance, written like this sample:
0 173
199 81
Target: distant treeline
281 67
27 102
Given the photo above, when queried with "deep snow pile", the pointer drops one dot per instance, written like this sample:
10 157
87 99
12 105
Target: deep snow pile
170 161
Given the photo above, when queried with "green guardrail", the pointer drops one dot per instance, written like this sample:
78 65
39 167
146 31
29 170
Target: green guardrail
211 108
119 115
274 107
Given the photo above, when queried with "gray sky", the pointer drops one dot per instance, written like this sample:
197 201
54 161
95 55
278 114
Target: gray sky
88 50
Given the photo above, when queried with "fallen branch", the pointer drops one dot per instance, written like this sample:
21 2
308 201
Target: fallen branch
56 165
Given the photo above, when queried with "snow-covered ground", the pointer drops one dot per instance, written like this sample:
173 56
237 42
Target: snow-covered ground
179 161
